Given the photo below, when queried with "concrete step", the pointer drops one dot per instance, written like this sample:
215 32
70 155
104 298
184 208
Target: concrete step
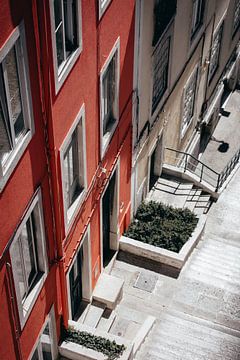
230 239
211 259
194 195
174 187
216 271
106 320
219 248
176 337
212 280
94 315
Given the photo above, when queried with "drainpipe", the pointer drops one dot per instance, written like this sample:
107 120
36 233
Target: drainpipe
40 31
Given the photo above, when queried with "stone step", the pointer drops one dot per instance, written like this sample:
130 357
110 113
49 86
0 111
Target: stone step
215 270
182 334
94 315
229 240
219 247
144 355
211 280
222 262
194 195
106 320
173 187
202 329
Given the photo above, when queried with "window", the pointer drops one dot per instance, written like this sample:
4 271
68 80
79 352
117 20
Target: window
103 4
197 15
28 258
160 72
66 34
215 52
73 167
46 347
109 80
236 19
164 11
15 105
188 101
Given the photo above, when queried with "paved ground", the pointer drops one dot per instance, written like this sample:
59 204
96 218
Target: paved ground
198 314
227 130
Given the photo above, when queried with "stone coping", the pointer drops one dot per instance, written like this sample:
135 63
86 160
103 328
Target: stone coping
73 351
108 290
161 255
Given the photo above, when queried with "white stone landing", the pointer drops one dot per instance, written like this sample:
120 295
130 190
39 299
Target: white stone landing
108 290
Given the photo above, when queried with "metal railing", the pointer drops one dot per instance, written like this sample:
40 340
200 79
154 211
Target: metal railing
190 163
228 169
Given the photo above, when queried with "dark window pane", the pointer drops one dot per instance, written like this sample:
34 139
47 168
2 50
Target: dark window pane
35 355
59 45
164 10
57 13
70 26
28 249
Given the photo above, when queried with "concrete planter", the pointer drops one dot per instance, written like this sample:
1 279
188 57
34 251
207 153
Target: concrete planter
161 255
73 351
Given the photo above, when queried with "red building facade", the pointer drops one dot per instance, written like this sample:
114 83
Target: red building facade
66 75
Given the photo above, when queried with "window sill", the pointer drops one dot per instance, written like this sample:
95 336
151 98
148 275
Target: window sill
185 129
103 7
14 158
28 304
107 138
73 209
60 76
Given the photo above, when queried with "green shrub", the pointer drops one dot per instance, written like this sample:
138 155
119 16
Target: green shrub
98 343
162 225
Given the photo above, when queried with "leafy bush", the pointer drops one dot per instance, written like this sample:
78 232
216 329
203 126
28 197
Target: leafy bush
98 343
162 225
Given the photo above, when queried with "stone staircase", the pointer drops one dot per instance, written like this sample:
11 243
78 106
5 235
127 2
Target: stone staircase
177 336
213 273
179 193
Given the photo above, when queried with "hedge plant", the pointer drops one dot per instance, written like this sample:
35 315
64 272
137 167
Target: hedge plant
109 348
162 225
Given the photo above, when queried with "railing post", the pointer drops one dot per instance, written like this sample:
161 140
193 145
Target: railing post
218 181
201 173
185 165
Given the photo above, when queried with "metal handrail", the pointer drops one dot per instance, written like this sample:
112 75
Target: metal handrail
193 157
220 177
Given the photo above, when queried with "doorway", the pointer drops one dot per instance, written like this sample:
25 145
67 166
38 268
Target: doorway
79 279
155 163
109 218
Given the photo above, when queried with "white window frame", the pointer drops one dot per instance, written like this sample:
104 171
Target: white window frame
50 319
102 6
24 308
166 62
105 139
215 51
18 40
70 213
185 123
236 17
197 16
61 74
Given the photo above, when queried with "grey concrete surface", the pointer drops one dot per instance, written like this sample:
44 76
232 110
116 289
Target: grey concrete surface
198 314
227 130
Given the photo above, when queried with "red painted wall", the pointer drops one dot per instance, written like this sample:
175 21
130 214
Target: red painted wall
58 112
29 174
